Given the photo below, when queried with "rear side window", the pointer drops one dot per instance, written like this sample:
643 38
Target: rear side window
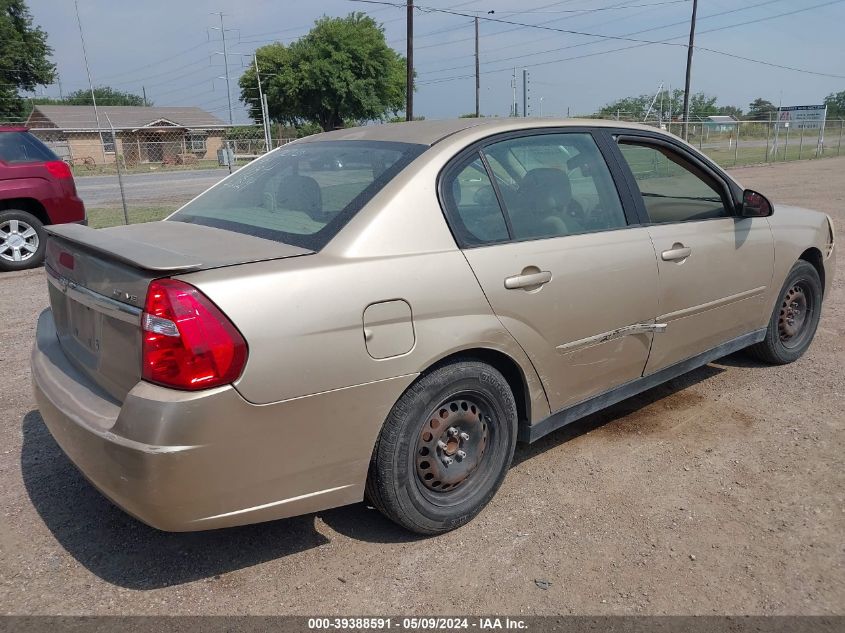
21 147
302 194
477 216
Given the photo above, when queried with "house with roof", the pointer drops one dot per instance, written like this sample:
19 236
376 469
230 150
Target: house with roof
720 123
139 134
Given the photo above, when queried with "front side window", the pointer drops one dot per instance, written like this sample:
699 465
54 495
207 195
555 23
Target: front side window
672 189
303 193
555 185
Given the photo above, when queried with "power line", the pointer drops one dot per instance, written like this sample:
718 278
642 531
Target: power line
667 42
497 33
580 44
164 60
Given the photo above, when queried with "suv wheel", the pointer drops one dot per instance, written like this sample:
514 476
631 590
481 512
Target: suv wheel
445 448
22 240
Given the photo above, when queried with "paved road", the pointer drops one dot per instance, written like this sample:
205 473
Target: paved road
153 189
719 492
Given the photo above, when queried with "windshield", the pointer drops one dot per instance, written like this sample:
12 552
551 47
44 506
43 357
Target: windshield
21 147
301 194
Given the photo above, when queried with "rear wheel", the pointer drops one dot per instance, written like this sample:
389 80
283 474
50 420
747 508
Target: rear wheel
795 318
22 240
445 448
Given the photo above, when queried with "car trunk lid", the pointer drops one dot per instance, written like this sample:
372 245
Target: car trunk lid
99 279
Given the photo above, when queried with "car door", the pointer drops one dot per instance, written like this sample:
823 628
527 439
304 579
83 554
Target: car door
714 266
543 227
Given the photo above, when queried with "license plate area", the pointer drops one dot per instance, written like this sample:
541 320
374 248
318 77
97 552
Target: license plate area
82 325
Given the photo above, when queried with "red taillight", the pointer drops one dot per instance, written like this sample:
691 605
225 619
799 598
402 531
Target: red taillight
188 343
58 169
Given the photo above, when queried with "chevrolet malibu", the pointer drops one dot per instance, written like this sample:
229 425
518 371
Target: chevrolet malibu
383 312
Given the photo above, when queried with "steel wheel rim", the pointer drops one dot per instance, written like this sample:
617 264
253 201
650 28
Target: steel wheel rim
795 316
462 423
18 241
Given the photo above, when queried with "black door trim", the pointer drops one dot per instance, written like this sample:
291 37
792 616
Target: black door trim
533 432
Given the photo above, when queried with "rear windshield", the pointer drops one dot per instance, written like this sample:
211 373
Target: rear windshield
21 147
302 194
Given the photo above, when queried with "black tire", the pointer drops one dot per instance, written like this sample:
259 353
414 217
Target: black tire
403 484
20 223
794 319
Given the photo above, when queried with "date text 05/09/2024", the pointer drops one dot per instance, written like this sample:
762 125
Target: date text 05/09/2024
417 623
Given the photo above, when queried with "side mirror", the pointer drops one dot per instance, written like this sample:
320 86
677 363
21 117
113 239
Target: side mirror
755 205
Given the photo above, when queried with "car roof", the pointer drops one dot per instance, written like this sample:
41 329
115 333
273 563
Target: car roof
13 128
429 132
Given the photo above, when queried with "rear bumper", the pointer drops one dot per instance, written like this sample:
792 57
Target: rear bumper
182 461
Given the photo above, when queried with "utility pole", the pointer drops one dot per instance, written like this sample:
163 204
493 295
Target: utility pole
671 97
409 60
514 108
477 75
225 62
144 92
524 92
263 103
689 68
91 83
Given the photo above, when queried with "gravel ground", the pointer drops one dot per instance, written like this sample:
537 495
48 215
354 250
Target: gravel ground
720 492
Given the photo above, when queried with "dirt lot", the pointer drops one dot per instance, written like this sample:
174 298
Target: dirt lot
721 492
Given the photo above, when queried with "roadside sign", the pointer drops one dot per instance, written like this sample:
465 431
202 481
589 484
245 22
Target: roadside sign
807 117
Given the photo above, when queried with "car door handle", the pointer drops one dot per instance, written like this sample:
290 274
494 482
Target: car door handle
529 280
677 252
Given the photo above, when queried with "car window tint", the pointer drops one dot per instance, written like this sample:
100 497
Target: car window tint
476 216
671 190
21 147
565 187
301 194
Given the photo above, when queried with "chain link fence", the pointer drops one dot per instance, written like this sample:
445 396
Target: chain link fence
140 175
738 143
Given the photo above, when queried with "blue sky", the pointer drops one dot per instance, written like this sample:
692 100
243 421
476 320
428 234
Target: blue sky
168 47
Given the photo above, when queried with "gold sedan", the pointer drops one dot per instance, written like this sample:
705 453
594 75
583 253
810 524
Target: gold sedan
385 311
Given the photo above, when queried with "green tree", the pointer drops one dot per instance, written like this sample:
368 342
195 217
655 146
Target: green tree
271 59
635 108
835 103
105 96
760 109
701 106
734 111
24 57
341 71
627 108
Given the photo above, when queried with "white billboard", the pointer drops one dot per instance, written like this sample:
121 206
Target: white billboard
807 117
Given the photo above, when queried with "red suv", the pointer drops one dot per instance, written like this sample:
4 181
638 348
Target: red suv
36 188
